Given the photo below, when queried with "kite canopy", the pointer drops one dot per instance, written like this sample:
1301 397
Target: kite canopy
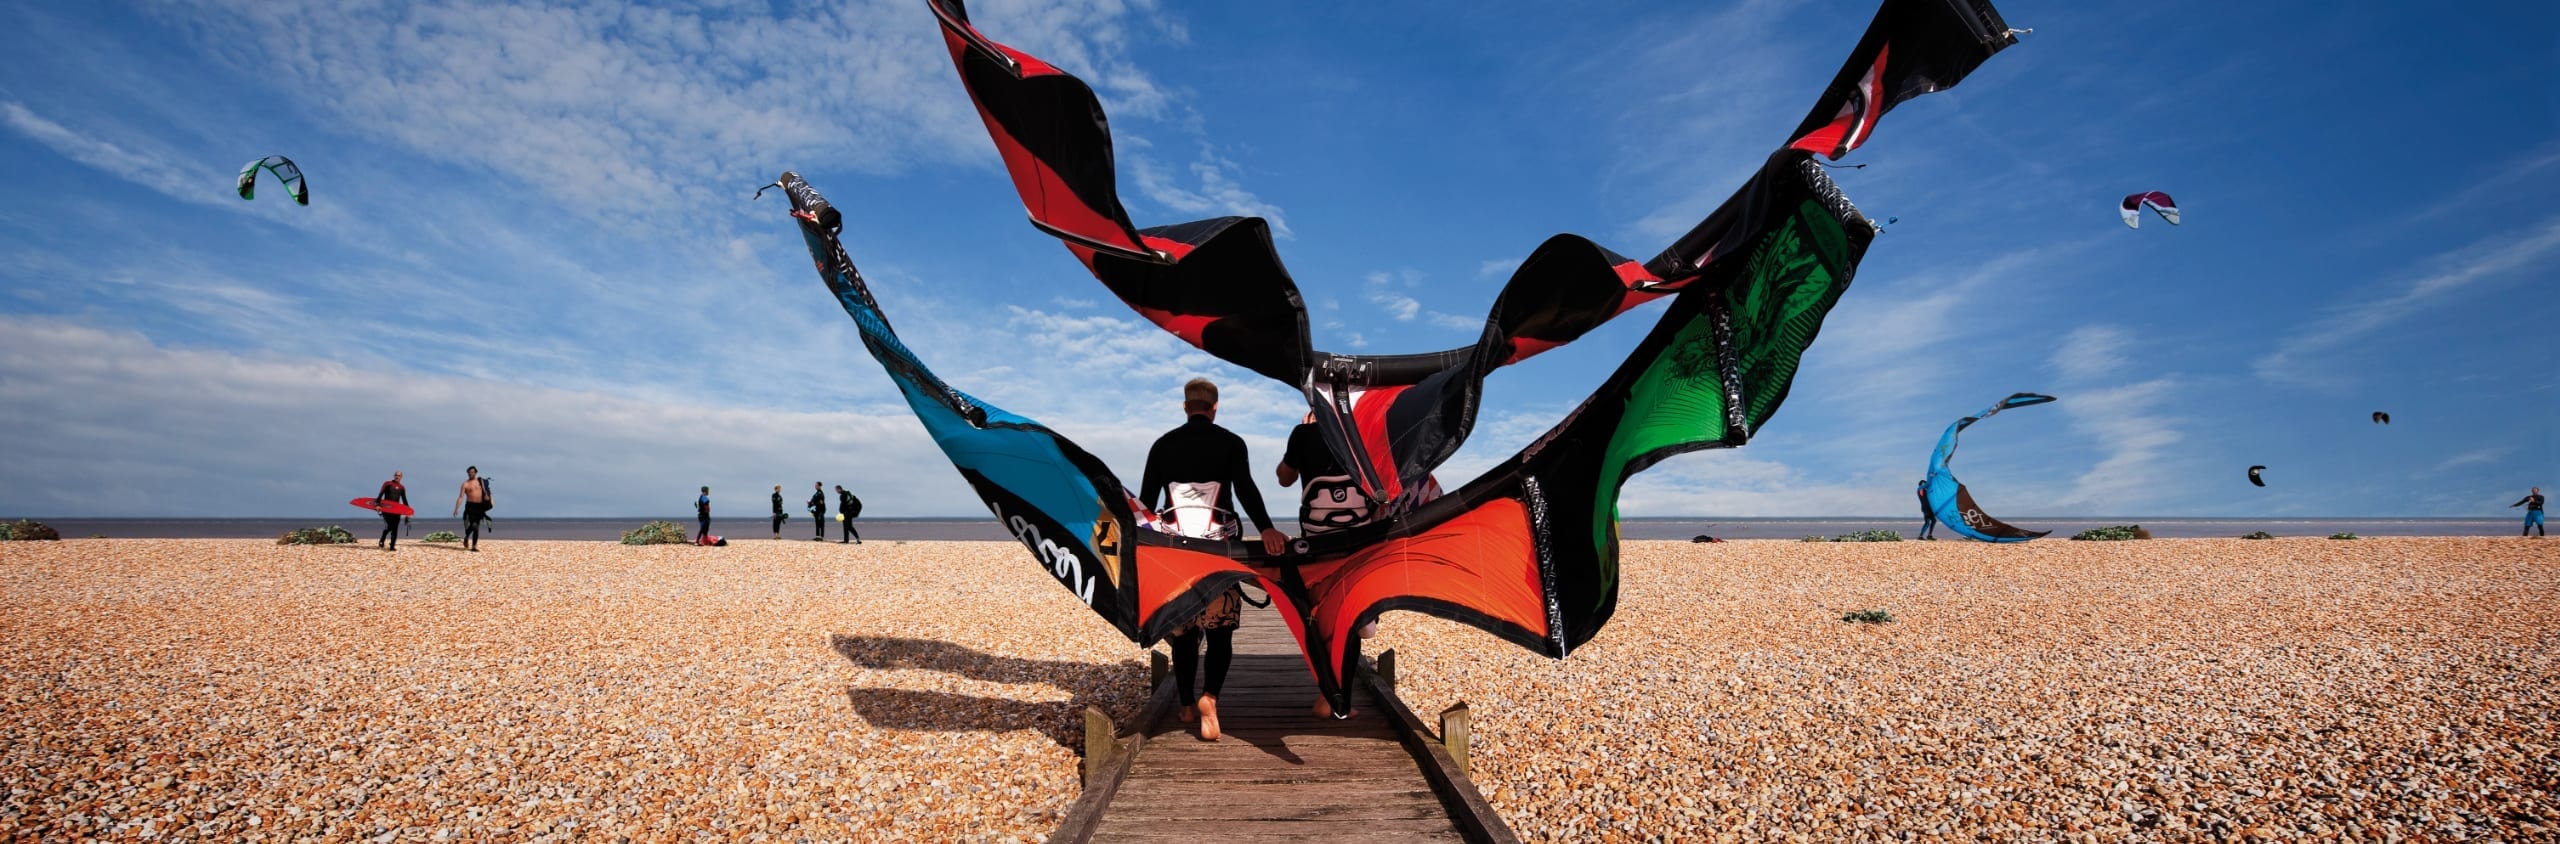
285 172
2158 202
1219 284
2381 418
2253 475
1950 503
1529 550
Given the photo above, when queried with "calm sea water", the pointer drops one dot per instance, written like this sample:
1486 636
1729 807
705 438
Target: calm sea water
986 529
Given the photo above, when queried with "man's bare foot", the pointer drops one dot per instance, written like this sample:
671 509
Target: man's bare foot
1190 714
1209 718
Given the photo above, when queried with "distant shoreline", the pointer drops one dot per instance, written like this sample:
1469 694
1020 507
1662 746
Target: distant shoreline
986 529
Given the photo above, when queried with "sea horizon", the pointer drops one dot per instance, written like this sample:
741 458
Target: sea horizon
982 528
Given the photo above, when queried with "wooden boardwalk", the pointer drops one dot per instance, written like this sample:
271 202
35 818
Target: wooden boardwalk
1281 773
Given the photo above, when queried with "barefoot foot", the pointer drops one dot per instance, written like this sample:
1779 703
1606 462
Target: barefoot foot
1209 718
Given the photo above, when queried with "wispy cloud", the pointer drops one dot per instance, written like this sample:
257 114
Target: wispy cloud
151 168
2092 351
1214 191
2128 424
2297 359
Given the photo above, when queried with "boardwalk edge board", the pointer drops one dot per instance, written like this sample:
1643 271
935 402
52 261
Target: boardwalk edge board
1103 782
1474 817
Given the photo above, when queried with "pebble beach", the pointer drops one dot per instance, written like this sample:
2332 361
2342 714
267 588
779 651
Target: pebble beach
2166 689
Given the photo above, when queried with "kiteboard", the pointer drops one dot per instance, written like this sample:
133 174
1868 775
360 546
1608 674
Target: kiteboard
393 508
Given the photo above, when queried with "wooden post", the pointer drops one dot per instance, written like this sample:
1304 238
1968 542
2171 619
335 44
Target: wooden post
1101 741
1158 668
1453 734
1387 667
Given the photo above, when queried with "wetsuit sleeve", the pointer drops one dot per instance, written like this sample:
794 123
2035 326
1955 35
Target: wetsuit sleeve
2520 502
1247 493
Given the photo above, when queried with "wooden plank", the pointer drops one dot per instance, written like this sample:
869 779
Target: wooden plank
1474 817
1086 813
1282 773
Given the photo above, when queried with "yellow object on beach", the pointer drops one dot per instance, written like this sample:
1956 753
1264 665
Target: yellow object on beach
839 517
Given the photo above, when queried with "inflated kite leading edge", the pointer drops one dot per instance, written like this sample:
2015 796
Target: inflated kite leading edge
1951 503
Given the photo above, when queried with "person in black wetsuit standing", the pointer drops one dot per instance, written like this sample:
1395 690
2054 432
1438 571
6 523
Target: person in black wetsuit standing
778 515
392 493
1201 470
1928 517
472 504
848 507
818 508
2532 504
702 513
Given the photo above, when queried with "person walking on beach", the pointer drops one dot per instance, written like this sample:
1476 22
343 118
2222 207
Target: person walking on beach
702 513
2532 504
778 515
392 493
847 507
818 508
473 506
1928 517
1201 470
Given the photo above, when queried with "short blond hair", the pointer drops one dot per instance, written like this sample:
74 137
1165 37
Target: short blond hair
1199 395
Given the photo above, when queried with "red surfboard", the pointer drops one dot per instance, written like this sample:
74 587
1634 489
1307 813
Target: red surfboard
392 507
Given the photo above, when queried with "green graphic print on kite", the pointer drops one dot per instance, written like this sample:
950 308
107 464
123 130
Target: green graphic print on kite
1679 404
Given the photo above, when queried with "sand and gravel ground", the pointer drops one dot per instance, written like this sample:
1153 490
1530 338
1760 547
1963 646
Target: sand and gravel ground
2169 689
238 690
2293 689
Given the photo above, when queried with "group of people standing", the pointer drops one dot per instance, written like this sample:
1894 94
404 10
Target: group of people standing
472 504
1196 477
847 504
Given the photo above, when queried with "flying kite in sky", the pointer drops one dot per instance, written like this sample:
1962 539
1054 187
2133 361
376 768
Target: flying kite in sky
285 173
1950 503
1528 551
2158 202
2381 418
2253 475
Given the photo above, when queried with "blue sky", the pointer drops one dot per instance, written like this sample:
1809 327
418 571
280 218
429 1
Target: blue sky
530 246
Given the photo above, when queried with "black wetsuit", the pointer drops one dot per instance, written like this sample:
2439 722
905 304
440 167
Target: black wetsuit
777 515
1928 517
2532 505
818 512
850 507
1200 452
391 492
473 512
702 513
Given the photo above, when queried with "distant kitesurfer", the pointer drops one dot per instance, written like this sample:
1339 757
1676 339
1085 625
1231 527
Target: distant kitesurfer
702 513
1928 517
848 507
1200 470
818 508
778 515
473 506
2532 504
392 493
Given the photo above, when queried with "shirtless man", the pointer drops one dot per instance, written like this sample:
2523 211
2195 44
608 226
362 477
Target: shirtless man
473 506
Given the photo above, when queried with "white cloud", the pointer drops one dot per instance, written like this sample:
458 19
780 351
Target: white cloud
1215 193
2092 351
631 111
2475 457
2298 358
1502 267
2138 470
151 168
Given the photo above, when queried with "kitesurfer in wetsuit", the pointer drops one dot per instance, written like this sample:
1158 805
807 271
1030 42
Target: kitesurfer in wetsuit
1928 517
392 493
818 508
473 506
849 507
2532 504
1204 464
778 515
1331 501
702 513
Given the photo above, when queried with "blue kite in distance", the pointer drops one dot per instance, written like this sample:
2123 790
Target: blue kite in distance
1951 504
